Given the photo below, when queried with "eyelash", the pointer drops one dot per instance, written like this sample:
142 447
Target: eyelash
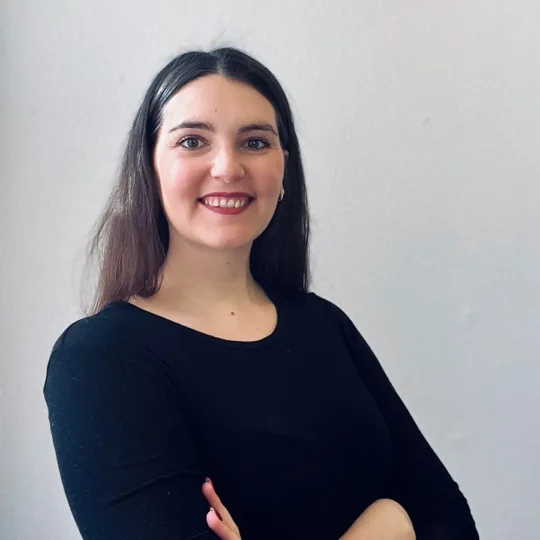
267 144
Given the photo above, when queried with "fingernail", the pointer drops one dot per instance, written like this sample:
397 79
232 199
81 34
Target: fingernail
208 480
217 514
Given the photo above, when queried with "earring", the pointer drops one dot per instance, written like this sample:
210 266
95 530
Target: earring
281 194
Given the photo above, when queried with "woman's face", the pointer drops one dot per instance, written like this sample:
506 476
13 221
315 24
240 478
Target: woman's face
219 163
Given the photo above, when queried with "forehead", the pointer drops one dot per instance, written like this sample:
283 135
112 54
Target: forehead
214 98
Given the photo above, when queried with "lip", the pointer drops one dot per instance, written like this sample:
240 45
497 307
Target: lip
225 195
227 211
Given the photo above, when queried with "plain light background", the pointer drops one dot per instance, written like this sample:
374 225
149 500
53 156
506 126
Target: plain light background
419 123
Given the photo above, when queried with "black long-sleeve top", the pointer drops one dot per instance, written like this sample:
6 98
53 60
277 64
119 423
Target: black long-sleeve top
300 431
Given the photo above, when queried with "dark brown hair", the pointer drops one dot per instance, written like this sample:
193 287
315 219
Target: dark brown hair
131 236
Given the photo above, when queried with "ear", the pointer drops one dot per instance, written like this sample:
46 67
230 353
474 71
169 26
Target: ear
286 154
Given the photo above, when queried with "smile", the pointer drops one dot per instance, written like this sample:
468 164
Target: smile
227 206
220 202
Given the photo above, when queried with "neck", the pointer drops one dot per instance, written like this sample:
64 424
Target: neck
208 279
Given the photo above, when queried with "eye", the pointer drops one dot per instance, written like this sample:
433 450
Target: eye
253 144
190 143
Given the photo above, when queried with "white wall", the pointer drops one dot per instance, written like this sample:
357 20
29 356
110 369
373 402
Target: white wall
420 127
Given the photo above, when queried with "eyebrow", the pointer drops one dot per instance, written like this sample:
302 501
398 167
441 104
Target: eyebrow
209 127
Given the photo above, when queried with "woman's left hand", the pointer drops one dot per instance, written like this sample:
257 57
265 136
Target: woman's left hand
218 518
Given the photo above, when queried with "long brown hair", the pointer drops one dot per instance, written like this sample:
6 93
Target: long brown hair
131 237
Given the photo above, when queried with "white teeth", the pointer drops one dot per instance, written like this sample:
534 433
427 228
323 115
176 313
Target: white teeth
225 203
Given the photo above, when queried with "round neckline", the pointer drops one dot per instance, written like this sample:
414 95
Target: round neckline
198 334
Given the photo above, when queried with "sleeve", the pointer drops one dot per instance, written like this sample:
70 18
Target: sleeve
422 484
126 457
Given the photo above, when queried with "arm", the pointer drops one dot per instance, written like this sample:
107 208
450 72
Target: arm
125 453
383 520
423 486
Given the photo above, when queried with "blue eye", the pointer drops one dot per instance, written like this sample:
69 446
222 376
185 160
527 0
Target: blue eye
190 146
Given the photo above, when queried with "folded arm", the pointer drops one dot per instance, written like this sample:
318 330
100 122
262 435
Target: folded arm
383 520
124 449
422 485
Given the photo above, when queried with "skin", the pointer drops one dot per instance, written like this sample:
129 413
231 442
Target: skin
385 519
206 275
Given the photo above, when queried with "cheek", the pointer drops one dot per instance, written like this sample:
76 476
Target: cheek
270 175
181 178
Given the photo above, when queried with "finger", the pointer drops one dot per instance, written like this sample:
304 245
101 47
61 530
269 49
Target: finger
212 497
214 501
219 527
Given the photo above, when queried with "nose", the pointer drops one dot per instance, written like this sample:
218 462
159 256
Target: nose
227 165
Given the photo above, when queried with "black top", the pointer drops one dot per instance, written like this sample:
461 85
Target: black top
299 431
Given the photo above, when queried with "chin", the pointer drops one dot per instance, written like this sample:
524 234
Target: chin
228 244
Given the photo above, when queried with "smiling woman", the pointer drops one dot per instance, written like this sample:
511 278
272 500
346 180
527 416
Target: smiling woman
204 354
211 126
234 144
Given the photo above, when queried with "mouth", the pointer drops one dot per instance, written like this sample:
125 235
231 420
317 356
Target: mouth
226 202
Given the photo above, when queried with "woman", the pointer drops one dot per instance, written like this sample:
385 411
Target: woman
206 356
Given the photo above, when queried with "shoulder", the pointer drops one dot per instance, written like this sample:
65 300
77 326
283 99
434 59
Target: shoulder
96 348
319 312
358 346
99 332
337 317
326 307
